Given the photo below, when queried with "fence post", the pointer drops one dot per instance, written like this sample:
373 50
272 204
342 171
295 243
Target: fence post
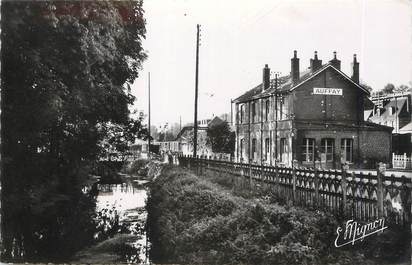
316 181
277 189
345 168
188 162
380 175
200 165
294 184
406 201
250 172
393 160
404 160
197 164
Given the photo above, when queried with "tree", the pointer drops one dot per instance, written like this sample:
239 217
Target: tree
388 89
120 137
166 136
221 139
67 69
403 88
367 87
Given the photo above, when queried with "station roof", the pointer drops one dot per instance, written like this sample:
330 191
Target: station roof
285 84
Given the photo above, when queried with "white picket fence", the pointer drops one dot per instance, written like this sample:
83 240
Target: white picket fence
401 161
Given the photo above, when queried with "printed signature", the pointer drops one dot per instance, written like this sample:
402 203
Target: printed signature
353 231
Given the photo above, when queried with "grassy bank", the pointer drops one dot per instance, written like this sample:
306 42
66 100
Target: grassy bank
197 220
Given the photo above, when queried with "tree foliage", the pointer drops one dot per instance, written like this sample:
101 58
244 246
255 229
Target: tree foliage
67 70
221 138
120 137
389 88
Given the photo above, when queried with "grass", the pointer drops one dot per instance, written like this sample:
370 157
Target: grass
215 220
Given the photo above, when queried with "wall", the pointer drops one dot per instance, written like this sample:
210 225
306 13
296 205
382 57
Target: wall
369 146
375 146
328 107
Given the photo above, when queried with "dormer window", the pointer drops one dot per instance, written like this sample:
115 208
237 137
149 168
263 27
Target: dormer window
392 110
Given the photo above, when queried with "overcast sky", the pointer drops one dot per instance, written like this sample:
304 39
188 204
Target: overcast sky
239 37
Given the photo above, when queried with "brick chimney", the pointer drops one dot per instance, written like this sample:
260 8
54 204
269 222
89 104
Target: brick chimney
335 62
294 73
315 63
355 70
266 78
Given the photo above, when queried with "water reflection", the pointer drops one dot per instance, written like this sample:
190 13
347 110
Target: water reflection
120 224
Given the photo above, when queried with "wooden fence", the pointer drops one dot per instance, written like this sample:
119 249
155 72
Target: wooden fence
357 196
401 161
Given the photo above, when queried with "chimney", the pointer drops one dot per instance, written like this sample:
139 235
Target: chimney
355 70
335 62
266 78
315 63
294 68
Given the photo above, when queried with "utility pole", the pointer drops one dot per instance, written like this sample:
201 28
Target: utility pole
231 111
276 117
148 147
196 93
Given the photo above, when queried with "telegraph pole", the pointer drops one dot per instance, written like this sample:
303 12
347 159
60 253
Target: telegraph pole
148 139
276 117
196 92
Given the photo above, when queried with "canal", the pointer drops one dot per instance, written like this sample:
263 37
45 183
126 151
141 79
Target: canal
120 225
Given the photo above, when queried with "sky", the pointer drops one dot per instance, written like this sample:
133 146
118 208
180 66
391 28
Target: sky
238 37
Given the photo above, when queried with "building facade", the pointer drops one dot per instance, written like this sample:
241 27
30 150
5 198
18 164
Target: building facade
183 143
312 118
393 110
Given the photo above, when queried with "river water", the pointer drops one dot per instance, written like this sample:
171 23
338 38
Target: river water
121 224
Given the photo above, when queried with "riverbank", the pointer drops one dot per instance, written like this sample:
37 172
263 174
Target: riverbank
120 233
216 221
120 216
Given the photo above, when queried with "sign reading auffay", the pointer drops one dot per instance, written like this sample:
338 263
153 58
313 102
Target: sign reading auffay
327 91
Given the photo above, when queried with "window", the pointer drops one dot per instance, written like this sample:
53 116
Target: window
242 113
253 111
327 148
242 141
267 149
282 150
267 108
254 155
284 110
279 108
346 146
308 149
392 110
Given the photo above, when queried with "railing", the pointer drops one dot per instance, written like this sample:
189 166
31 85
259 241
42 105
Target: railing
401 161
358 196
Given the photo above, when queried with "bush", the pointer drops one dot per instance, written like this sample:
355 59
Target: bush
195 221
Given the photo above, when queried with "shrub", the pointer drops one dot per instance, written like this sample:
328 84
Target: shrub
195 221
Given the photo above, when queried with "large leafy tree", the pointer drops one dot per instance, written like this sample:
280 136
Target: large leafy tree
388 89
120 137
67 70
221 138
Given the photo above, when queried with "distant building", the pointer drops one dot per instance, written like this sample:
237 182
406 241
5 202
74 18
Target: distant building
315 117
185 137
394 110
140 148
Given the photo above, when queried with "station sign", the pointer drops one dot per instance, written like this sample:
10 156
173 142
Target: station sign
327 91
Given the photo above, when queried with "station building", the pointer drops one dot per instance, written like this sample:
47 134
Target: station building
312 118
